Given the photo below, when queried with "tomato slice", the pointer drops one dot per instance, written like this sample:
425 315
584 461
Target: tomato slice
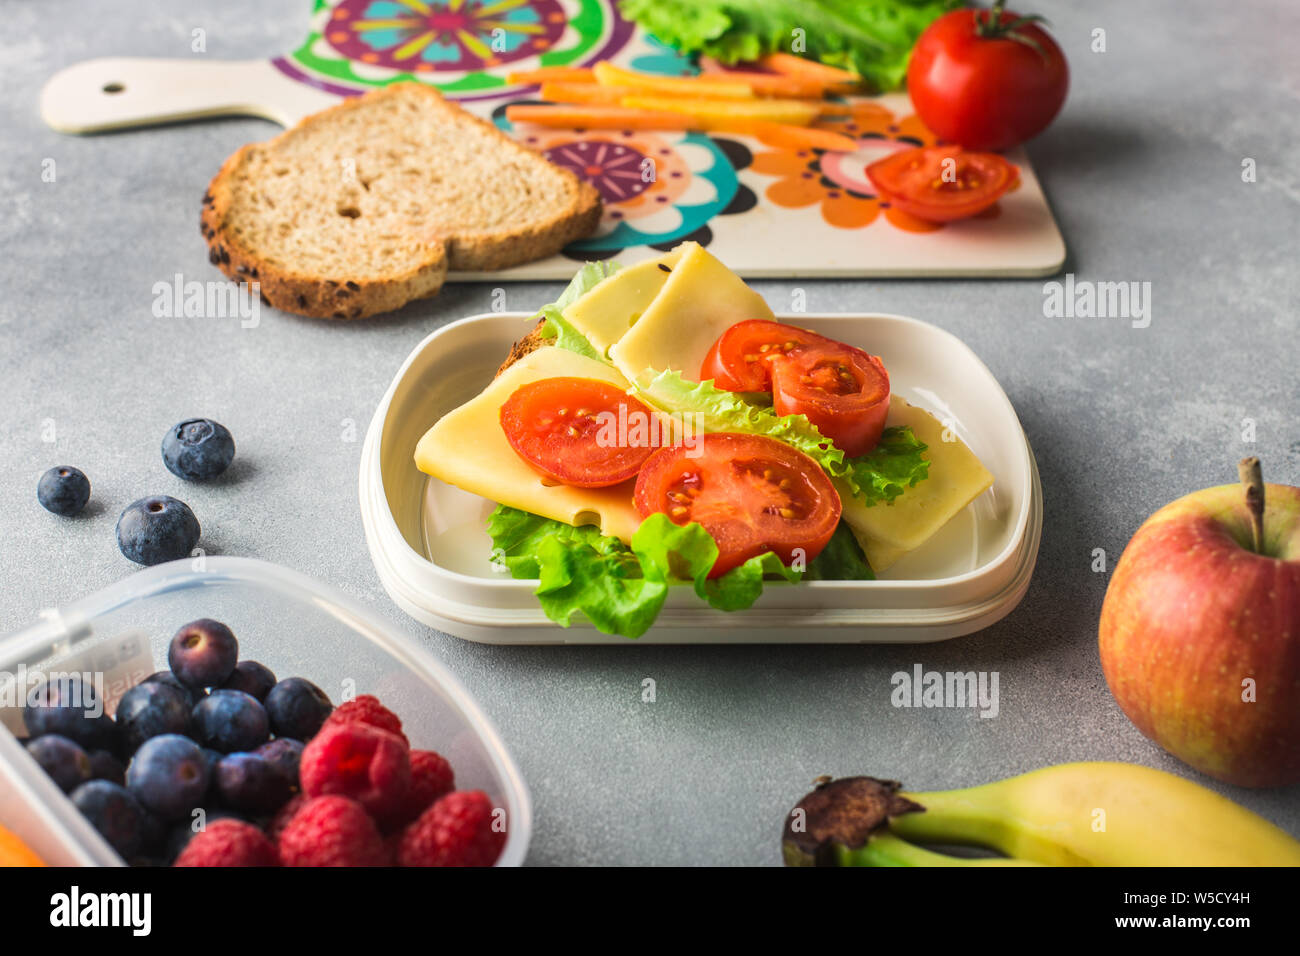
942 183
750 492
579 431
843 390
740 361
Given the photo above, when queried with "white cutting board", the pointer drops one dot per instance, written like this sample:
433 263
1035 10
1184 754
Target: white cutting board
766 212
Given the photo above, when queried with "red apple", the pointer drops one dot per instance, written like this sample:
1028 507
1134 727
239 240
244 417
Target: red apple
1200 633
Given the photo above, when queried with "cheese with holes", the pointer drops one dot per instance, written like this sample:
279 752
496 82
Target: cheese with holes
956 478
468 449
700 300
606 312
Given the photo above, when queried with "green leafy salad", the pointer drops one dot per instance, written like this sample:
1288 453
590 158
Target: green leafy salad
872 38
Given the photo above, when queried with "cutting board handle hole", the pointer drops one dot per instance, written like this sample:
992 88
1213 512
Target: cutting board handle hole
113 87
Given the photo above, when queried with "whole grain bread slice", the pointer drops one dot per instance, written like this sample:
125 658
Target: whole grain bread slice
365 206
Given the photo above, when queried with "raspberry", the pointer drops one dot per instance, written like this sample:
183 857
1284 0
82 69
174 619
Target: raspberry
455 831
332 831
367 709
284 815
229 842
431 778
367 764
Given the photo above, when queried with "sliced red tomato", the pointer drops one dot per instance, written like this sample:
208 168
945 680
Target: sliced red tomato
843 390
942 183
741 359
751 493
579 431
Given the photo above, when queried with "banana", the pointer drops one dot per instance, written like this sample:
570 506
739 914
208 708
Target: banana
1078 814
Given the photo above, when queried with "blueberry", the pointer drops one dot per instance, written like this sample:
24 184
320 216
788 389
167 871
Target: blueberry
153 832
168 775
297 708
252 678
203 653
197 449
230 721
251 783
106 766
151 709
65 762
157 529
285 753
63 490
192 694
212 757
70 707
114 812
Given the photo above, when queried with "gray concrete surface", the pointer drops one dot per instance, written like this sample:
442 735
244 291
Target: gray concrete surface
1144 170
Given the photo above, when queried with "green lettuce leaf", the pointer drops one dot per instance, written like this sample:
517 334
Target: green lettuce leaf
578 569
890 469
557 328
841 560
873 38
680 553
621 589
712 409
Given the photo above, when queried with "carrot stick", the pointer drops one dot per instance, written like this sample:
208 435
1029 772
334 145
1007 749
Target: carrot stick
617 117
598 117
610 75
791 65
793 112
772 84
553 74
585 93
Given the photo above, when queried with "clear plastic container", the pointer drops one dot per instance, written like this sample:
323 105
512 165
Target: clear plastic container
292 624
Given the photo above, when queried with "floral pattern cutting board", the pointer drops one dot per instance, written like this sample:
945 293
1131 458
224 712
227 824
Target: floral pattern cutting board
765 211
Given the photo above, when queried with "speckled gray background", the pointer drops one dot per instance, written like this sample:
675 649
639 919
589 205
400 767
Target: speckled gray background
1143 169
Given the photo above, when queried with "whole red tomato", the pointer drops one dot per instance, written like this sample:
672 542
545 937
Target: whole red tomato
986 79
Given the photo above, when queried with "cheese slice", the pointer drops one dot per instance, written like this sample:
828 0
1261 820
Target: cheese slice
956 478
606 312
468 449
700 300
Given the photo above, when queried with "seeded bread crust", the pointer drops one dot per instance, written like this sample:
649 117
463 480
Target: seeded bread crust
337 294
305 292
531 342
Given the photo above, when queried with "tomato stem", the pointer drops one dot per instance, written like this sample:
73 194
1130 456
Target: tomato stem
991 27
1252 476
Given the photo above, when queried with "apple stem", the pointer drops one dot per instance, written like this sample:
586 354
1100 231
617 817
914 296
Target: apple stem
1252 476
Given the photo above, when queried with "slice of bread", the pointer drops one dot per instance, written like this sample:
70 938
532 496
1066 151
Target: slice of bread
531 342
366 205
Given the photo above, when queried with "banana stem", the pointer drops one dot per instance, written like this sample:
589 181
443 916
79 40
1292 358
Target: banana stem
888 849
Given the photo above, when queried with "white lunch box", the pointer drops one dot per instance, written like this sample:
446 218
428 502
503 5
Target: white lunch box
431 548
